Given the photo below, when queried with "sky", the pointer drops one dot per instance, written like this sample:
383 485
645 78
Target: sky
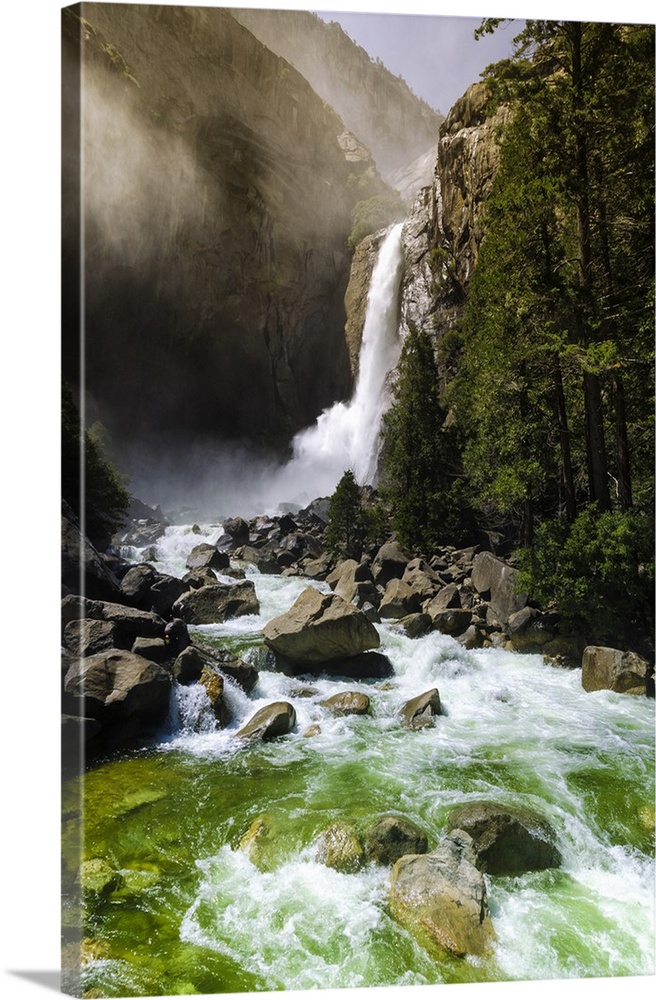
437 56
29 502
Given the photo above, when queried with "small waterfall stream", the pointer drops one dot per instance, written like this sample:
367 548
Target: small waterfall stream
347 435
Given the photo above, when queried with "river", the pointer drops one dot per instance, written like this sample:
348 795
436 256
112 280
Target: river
197 914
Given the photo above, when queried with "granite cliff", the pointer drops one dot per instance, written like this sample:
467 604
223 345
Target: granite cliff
377 106
216 195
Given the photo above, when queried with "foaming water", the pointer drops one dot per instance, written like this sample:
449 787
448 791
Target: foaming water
515 730
347 435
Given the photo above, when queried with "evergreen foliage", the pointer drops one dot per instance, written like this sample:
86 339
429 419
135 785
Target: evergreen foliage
372 214
555 385
598 572
346 528
100 500
422 481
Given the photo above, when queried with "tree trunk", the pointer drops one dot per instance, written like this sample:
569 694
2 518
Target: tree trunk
596 446
565 451
624 492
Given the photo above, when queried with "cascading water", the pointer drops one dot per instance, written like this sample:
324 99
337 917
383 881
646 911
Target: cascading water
347 435
197 911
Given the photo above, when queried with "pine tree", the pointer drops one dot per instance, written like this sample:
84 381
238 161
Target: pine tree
345 531
421 482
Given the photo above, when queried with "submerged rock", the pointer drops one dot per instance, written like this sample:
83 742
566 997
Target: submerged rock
441 897
507 840
320 627
392 837
340 848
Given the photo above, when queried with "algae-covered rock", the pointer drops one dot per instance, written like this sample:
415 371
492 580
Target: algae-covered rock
391 837
507 840
441 897
340 848
98 880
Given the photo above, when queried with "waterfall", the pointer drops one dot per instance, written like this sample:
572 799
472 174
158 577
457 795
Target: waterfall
347 435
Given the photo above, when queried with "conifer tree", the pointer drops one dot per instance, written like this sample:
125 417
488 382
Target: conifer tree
345 531
421 481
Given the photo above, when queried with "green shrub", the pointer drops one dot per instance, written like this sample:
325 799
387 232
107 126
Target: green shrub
597 572
373 214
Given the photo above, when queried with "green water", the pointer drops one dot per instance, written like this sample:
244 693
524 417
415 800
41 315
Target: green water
186 910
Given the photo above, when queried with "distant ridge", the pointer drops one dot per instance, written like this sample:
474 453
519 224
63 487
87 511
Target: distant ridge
380 108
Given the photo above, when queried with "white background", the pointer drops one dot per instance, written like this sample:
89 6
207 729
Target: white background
29 667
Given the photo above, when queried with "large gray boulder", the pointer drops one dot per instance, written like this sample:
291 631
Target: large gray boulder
507 840
441 897
347 703
320 627
389 564
86 636
530 630
117 685
206 555
217 603
276 719
496 582
129 622
605 668
399 600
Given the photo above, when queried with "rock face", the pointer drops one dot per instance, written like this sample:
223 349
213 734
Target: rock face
320 627
441 897
507 841
378 107
468 157
604 668
218 202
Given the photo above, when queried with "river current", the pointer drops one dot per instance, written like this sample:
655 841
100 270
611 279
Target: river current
197 914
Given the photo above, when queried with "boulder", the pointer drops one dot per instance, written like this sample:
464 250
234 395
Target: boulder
441 897
319 568
237 530
507 840
276 719
447 597
472 638
496 582
117 685
391 837
87 636
214 686
530 630
156 650
419 712
605 668
164 593
176 636
347 703
264 559
320 627
188 666
195 578
82 567
364 666
217 603
389 564
399 600
341 848
207 556
129 622
421 579
416 625
136 584
454 621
